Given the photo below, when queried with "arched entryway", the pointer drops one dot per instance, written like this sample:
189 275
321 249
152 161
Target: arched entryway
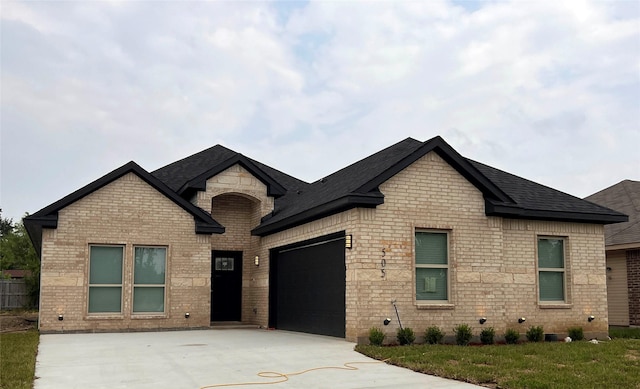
232 255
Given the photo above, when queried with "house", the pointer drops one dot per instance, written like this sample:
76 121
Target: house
218 236
622 245
15 274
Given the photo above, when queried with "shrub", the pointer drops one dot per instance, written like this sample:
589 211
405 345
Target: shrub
433 335
511 336
405 336
487 335
376 336
463 334
576 333
535 334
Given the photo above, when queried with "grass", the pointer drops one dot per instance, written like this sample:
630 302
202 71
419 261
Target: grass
624 332
18 359
609 364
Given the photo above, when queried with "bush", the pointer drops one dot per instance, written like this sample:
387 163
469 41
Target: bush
511 336
535 334
433 335
463 334
487 335
576 333
405 336
376 336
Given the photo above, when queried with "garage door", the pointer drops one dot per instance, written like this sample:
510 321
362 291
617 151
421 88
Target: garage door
307 287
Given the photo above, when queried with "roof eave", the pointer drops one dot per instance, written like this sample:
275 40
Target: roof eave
352 200
199 183
48 216
453 158
518 212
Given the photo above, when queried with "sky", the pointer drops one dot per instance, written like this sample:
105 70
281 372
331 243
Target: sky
546 90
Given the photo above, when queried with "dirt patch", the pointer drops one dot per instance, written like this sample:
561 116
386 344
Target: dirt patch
18 322
632 355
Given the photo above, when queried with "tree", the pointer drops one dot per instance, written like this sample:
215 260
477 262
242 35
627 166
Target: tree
6 225
17 252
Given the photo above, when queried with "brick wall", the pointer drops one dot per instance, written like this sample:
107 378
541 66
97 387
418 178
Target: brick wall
125 212
238 200
492 260
633 282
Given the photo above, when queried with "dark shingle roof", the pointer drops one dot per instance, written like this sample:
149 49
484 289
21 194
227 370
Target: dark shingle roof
357 186
623 197
190 173
544 202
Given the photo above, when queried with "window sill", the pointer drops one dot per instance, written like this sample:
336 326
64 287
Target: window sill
555 306
424 306
97 316
144 316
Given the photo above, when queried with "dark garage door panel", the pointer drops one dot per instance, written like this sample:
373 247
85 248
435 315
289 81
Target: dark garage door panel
311 289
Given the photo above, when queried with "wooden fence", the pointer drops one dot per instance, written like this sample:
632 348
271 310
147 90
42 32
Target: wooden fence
13 294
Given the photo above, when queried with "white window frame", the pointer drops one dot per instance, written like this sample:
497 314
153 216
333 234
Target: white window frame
120 285
163 285
562 270
446 266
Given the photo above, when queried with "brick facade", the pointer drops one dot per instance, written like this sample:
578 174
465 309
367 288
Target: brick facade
125 212
492 261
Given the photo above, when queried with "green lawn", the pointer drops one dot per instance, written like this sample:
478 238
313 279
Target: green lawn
609 364
624 332
18 359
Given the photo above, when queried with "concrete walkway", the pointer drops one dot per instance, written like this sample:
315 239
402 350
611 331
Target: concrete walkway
196 359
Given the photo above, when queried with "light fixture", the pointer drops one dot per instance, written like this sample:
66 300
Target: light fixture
387 321
60 317
256 260
348 241
521 320
591 318
186 315
482 320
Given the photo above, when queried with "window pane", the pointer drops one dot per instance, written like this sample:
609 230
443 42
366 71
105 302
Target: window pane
150 265
105 299
551 286
431 248
105 265
431 284
550 253
148 299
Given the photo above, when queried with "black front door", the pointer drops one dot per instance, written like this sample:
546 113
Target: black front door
226 285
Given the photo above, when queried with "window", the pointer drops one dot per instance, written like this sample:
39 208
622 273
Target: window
551 269
432 266
149 279
105 279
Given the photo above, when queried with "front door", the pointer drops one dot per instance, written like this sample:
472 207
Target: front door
226 285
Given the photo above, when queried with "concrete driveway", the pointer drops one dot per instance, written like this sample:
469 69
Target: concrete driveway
197 359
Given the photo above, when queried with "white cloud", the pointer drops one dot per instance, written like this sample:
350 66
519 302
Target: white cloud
546 90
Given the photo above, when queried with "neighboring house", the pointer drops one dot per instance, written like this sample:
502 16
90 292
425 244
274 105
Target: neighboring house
14 274
218 236
622 243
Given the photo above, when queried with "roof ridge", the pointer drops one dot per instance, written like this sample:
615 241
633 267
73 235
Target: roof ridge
408 139
628 192
631 224
193 155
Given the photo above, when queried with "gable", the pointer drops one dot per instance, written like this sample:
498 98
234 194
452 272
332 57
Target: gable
48 216
357 185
